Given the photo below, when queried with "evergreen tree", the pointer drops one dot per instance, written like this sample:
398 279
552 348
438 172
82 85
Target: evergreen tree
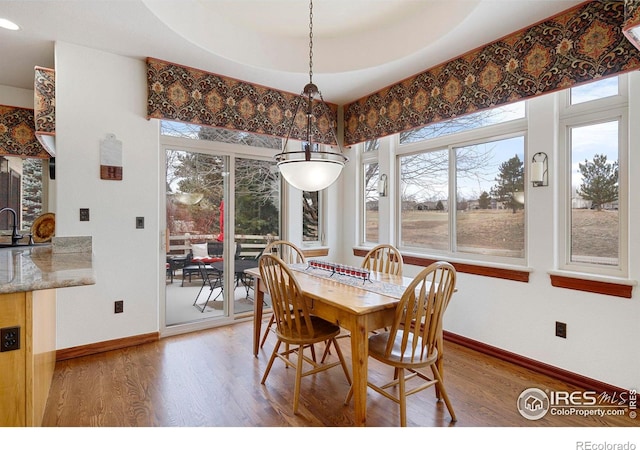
484 202
510 180
599 181
31 191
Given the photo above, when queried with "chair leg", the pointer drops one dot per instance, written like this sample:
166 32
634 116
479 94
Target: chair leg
327 351
402 397
342 360
296 390
443 391
271 360
266 332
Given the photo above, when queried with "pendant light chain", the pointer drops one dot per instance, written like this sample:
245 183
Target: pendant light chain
311 41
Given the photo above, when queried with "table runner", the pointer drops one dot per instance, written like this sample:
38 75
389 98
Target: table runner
379 287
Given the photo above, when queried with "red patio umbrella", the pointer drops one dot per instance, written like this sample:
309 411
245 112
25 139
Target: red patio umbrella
220 237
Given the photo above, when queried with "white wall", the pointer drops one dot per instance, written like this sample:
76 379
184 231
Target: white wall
10 96
99 93
602 331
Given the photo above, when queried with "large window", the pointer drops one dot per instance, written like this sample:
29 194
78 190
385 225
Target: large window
485 216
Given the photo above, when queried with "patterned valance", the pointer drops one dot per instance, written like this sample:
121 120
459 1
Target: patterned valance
45 107
45 100
189 95
579 45
17 133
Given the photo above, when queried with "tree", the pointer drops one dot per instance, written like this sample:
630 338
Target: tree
510 180
31 190
439 206
599 181
484 201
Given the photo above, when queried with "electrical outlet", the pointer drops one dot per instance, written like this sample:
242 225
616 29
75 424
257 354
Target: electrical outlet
118 306
9 339
561 329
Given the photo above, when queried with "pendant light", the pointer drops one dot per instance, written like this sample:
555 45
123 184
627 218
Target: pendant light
310 169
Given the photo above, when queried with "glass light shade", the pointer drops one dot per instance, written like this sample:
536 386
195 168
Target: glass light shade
313 175
537 172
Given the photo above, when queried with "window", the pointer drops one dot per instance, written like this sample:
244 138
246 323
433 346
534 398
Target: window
593 132
21 188
490 198
467 122
424 190
595 190
487 216
193 131
370 196
594 91
311 223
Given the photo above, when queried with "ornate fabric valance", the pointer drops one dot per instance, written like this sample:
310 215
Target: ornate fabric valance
45 107
17 133
189 95
579 45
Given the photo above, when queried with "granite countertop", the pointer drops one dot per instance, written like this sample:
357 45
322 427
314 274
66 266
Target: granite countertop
37 268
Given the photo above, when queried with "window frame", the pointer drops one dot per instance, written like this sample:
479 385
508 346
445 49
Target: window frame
450 142
369 157
593 112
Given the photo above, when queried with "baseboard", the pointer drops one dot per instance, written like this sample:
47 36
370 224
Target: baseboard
540 367
560 374
99 347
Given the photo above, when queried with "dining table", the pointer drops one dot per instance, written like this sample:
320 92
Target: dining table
357 305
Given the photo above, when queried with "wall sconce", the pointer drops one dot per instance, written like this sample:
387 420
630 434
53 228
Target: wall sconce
540 169
382 186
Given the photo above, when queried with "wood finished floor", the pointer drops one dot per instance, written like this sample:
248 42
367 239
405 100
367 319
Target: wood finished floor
211 379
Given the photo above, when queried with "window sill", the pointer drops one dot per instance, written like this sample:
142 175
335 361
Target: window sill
617 287
505 273
314 252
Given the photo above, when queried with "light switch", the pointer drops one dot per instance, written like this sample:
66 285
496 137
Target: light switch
84 214
139 222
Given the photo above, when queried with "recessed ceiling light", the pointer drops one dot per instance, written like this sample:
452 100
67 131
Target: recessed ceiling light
9 25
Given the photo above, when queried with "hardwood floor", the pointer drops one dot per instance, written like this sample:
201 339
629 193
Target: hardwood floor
211 379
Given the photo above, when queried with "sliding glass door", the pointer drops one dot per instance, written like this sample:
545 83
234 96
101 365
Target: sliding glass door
196 184
211 239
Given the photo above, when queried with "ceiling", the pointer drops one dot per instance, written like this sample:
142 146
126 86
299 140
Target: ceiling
359 46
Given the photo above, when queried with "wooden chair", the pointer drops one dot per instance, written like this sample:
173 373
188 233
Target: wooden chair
290 254
384 258
295 326
412 342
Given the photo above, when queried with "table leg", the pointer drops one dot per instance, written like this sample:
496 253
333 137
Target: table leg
258 305
360 361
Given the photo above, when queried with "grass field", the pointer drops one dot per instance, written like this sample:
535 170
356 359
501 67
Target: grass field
501 232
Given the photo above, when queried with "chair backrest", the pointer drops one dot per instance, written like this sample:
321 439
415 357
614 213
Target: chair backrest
419 314
286 251
289 307
384 258
214 248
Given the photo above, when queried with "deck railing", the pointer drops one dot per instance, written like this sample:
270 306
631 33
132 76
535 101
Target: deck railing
252 244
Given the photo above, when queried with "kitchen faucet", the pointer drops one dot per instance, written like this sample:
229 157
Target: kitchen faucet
15 237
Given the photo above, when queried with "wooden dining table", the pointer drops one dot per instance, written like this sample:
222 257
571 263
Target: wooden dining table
356 309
